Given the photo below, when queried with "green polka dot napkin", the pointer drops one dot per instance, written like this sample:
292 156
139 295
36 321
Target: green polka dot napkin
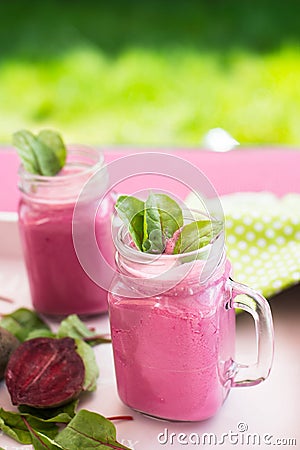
262 239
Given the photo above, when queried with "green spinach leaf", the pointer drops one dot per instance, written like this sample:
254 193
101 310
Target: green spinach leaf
131 211
54 142
22 322
91 368
14 426
196 235
73 327
44 154
24 141
162 217
42 442
60 414
89 431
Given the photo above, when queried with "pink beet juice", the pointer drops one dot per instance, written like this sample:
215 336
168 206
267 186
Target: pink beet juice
174 335
59 285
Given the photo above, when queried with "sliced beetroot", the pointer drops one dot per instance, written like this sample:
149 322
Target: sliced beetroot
45 372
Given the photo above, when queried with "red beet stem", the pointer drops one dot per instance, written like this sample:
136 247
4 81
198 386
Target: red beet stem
6 299
97 336
119 418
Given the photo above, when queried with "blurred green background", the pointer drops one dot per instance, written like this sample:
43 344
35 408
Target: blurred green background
151 72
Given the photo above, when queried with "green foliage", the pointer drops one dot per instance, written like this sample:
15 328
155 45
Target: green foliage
59 414
44 154
22 322
152 72
73 327
89 431
162 217
91 369
131 211
159 219
16 426
196 235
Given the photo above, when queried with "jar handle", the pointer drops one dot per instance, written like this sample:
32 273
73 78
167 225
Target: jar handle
255 304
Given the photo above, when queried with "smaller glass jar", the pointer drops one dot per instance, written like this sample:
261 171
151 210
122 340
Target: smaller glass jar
59 285
173 335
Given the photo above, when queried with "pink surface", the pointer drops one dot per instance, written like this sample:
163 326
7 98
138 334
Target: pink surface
275 170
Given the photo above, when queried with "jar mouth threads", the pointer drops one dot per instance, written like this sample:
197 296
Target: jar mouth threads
203 262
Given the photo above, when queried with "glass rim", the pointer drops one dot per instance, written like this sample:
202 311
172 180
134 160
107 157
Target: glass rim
136 255
60 179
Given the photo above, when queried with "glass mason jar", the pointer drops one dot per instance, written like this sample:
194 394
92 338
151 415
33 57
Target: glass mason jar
173 335
59 285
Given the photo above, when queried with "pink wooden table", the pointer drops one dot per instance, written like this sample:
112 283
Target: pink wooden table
275 170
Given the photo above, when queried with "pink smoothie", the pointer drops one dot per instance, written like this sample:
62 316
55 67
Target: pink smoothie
59 286
172 352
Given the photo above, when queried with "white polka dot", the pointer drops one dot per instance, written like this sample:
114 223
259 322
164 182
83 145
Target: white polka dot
288 230
297 235
272 270
264 282
291 243
261 271
234 253
242 277
265 255
231 239
258 226
253 250
277 225
261 242
236 215
266 219
280 240
296 276
270 233
295 220
279 263
229 223
237 265
239 229
272 248
247 220
249 269
269 264
257 262
250 236
277 284
246 258
252 279
284 274
242 245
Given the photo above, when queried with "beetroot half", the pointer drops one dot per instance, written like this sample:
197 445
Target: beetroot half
45 372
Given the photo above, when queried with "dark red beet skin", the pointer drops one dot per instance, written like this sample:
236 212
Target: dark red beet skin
45 372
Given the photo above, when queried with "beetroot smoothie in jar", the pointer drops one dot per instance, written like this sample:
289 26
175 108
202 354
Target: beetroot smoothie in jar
59 285
174 352
172 313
